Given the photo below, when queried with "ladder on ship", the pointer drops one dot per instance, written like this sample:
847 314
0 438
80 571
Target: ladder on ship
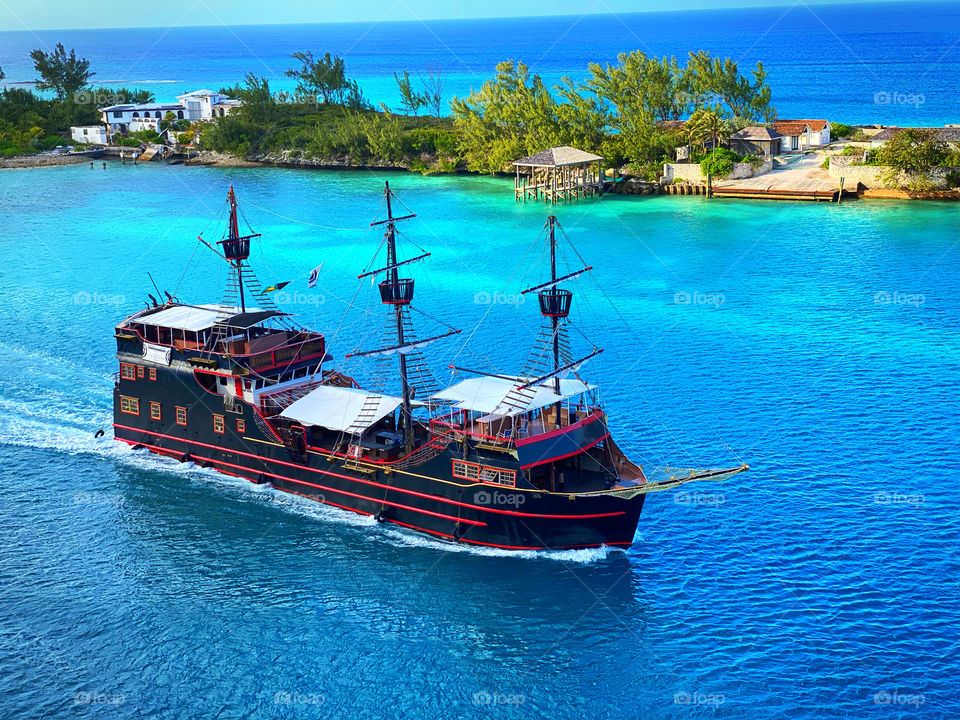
365 418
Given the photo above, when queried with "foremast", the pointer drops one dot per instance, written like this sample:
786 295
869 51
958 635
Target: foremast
236 248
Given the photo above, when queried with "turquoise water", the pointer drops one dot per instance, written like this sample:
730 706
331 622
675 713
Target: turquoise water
893 63
817 343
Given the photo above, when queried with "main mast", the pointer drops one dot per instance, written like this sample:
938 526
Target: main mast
393 293
397 292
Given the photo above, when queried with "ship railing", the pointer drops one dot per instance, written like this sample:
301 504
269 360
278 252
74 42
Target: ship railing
504 430
299 350
276 402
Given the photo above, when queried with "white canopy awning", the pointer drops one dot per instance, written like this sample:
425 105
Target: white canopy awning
488 394
339 408
192 318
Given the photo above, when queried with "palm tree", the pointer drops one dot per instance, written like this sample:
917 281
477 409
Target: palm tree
715 128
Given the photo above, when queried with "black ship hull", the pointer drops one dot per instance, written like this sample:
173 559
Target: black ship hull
426 498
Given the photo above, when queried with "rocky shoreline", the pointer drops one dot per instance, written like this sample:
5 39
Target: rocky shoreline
288 159
48 160
630 185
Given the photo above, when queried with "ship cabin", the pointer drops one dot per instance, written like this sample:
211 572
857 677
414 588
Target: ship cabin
344 419
555 430
218 343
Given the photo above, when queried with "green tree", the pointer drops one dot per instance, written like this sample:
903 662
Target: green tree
384 135
706 125
325 77
2 75
721 79
61 72
913 151
432 94
639 86
410 100
511 116
258 103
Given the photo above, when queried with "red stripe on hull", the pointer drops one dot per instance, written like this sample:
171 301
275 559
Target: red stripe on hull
318 487
370 482
165 452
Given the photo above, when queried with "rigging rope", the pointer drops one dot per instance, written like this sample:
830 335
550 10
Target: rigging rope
303 222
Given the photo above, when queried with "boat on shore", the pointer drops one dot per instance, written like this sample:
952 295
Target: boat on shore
519 460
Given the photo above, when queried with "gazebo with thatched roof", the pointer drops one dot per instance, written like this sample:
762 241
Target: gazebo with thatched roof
559 173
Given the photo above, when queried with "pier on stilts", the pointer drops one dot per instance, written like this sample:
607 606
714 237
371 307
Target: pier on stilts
559 173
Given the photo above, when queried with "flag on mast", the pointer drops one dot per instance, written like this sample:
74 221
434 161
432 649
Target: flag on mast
314 274
278 286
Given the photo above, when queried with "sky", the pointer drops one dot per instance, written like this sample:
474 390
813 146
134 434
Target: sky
63 14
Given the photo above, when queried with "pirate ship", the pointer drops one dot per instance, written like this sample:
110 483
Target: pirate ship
519 460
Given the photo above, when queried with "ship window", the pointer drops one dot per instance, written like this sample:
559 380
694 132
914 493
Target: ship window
218 424
496 476
154 411
181 416
128 372
241 426
223 381
465 470
139 371
153 373
129 405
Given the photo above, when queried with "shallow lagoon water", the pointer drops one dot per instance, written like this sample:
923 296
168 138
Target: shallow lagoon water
818 343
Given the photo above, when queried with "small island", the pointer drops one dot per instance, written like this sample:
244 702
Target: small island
659 126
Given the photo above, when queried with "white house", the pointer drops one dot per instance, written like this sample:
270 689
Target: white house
803 134
141 116
206 104
196 105
90 134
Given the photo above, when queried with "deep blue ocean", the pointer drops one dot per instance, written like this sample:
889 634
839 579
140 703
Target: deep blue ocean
890 63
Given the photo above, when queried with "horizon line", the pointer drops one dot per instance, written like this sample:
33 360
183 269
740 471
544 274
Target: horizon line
590 13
